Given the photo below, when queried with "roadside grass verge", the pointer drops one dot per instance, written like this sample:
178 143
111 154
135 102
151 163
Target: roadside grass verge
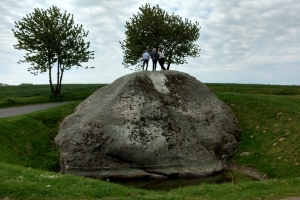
27 140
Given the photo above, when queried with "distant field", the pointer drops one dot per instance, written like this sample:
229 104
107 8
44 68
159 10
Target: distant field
269 117
31 94
256 88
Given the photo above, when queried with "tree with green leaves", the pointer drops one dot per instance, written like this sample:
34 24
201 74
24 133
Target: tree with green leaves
153 27
52 40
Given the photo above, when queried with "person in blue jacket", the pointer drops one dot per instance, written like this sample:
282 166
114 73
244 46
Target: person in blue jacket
146 58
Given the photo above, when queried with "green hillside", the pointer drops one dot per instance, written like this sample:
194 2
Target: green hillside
268 115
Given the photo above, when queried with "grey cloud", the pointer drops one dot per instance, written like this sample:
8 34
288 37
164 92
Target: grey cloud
246 41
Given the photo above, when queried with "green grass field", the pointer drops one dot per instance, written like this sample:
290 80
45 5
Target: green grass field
268 115
11 96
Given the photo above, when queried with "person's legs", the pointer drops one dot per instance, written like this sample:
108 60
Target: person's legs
153 61
154 65
159 62
144 63
162 63
147 64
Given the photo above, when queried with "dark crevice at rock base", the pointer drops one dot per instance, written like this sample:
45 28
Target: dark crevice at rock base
168 184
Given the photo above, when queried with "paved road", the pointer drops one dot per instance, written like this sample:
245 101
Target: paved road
8 112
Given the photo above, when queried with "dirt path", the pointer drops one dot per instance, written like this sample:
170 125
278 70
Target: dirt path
253 173
8 112
247 171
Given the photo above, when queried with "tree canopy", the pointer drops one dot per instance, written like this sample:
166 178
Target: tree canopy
153 27
52 39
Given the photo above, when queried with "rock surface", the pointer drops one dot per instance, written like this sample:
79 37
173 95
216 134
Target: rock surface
149 125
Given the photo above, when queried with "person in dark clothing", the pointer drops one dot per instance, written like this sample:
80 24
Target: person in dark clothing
154 57
161 60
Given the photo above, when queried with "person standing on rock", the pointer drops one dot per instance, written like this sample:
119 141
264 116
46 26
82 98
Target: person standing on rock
146 58
161 59
154 57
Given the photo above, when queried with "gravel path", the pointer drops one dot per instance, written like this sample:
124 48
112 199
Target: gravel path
8 112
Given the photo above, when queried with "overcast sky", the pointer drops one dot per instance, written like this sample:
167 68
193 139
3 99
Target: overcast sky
246 41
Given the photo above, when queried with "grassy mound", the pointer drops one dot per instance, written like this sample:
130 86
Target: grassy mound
268 116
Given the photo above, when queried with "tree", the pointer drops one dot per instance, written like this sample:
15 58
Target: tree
154 27
51 39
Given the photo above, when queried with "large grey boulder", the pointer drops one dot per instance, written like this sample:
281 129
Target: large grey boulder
149 124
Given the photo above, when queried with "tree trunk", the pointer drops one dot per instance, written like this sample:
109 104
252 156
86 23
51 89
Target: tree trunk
60 80
57 92
50 78
59 73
